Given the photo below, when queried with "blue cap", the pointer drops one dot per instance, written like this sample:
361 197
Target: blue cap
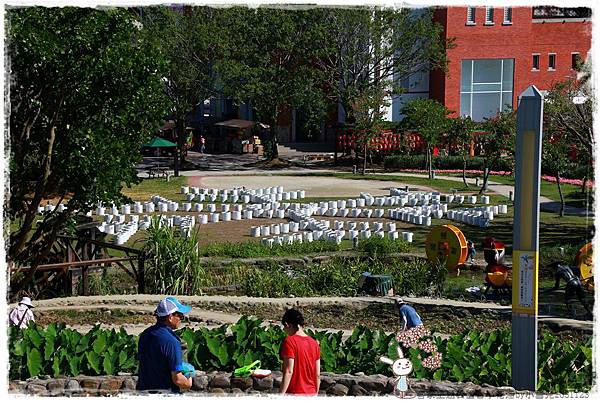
171 305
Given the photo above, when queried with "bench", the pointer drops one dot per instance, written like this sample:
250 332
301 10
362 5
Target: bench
159 172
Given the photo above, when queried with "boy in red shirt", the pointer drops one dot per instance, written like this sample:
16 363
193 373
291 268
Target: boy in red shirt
301 356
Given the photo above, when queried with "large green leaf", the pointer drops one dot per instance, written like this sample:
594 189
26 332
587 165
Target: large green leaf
109 365
34 362
100 343
74 366
35 337
93 360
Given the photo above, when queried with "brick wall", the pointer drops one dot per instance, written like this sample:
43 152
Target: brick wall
518 41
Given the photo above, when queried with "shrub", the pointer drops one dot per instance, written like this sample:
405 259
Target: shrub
400 162
376 247
172 262
255 250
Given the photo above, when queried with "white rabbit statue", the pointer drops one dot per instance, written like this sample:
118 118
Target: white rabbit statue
401 367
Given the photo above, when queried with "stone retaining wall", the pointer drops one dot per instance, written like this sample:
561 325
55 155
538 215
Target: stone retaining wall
223 383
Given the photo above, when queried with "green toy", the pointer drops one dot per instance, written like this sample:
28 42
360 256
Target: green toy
246 371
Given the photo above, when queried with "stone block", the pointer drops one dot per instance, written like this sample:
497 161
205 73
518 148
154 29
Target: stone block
199 383
73 386
236 391
129 383
338 389
111 384
90 383
262 383
220 380
346 379
217 390
16 386
242 383
56 386
358 390
35 389
373 383
277 377
326 382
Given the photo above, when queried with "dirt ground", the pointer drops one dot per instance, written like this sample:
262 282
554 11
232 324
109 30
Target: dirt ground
314 186
134 313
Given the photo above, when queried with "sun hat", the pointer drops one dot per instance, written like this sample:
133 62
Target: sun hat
399 301
171 305
26 301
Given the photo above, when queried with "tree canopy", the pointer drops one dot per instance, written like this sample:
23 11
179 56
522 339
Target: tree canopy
188 41
85 93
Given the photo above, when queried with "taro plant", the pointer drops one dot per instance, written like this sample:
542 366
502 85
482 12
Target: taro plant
57 350
172 261
480 358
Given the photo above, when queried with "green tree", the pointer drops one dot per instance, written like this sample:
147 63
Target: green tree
267 62
188 40
555 150
369 119
568 112
430 119
498 141
460 134
372 51
85 95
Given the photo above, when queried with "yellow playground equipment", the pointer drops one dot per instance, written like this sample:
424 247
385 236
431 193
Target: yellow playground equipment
446 243
585 263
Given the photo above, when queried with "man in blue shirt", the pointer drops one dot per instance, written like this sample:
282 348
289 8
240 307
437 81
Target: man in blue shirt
159 351
409 317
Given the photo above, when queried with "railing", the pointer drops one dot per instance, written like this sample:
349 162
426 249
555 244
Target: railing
83 254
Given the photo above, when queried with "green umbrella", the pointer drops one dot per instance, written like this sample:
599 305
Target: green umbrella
157 142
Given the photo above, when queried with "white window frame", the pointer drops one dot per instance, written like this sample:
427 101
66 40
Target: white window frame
489 12
472 12
507 13
550 68
502 91
533 68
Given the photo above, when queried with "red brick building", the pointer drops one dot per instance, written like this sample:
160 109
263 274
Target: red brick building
499 52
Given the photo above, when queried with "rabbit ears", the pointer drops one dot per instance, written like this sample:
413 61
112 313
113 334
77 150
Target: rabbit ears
387 360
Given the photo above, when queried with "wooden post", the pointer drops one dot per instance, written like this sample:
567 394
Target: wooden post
141 278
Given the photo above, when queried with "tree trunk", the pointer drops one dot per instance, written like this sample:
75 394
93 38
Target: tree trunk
364 169
179 131
486 174
429 167
274 150
561 212
584 184
464 172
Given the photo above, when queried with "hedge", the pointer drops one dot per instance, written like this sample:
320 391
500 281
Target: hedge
441 162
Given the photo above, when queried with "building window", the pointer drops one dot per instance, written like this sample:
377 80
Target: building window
489 15
535 63
470 15
575 60
507 15
486 87
552 61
